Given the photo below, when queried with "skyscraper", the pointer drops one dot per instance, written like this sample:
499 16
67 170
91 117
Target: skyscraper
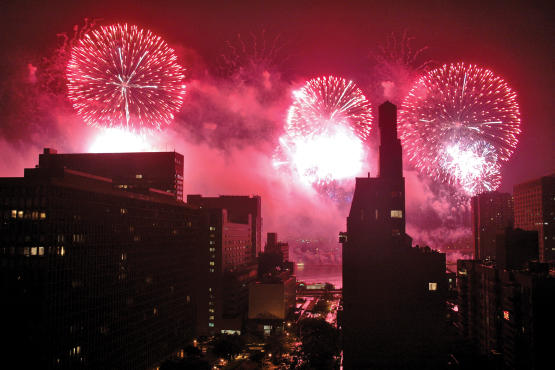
492 213
239 208
393 294
93 276
535 210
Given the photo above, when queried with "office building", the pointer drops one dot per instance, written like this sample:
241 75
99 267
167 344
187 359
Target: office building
535 210
128 171
224 271
93 276
492 213
273 245
507 314
393 294
239 209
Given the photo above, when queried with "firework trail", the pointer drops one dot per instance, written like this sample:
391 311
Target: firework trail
123 76
458 124
398 65
327 126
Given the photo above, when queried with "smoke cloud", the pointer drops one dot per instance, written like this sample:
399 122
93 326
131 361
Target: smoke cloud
227 131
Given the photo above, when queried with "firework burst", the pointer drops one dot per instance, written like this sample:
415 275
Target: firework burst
458 124
123 76
327 126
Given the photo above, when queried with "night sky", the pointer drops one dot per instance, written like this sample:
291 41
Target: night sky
516 39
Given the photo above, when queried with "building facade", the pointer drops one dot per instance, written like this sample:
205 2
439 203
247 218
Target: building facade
535 210
239 209
492 213
93 276
393 294
128 171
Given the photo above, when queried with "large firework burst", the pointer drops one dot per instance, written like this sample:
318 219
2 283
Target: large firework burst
123 76
327 125
458 123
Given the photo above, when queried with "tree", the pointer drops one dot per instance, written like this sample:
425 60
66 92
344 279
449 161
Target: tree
320 343
228 346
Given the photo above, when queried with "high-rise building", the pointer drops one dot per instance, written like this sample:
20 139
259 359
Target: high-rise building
507 314
535 210
393 294
128 171
93 276
239 209
274 246
226 264
492 213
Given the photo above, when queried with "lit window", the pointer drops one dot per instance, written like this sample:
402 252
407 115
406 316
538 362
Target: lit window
211 263
14 213
138 176
211 317
212 249
123 211
41 251
211 324
396 213
19 214
212 242
211 310
432 286
42 215
212 228
34 251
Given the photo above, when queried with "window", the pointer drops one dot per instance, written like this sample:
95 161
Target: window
211 324
506 315
14 213
396 213
139 176
432 286
212 228
42 215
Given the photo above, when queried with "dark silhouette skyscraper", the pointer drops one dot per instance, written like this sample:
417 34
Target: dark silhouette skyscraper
393 294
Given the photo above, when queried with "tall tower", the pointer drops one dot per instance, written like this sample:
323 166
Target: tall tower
393 294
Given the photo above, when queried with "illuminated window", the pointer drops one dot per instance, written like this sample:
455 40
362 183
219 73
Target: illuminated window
211 324
19 214
211 310
34 251
212 249
211 263
138 176
211 317
212 228
123 211
41 251
42 215
506 315
212 270
432 286
396 213
14 213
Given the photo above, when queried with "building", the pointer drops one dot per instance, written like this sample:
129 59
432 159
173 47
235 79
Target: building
270 301
93 275
393 294
492 213
239 208
128 171
276 247
515 248
507 314
224 272
535 210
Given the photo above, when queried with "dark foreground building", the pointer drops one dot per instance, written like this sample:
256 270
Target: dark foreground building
393 294
505 308
93 276
128 171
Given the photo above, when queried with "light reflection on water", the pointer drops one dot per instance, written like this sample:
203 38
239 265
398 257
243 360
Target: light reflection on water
320 274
